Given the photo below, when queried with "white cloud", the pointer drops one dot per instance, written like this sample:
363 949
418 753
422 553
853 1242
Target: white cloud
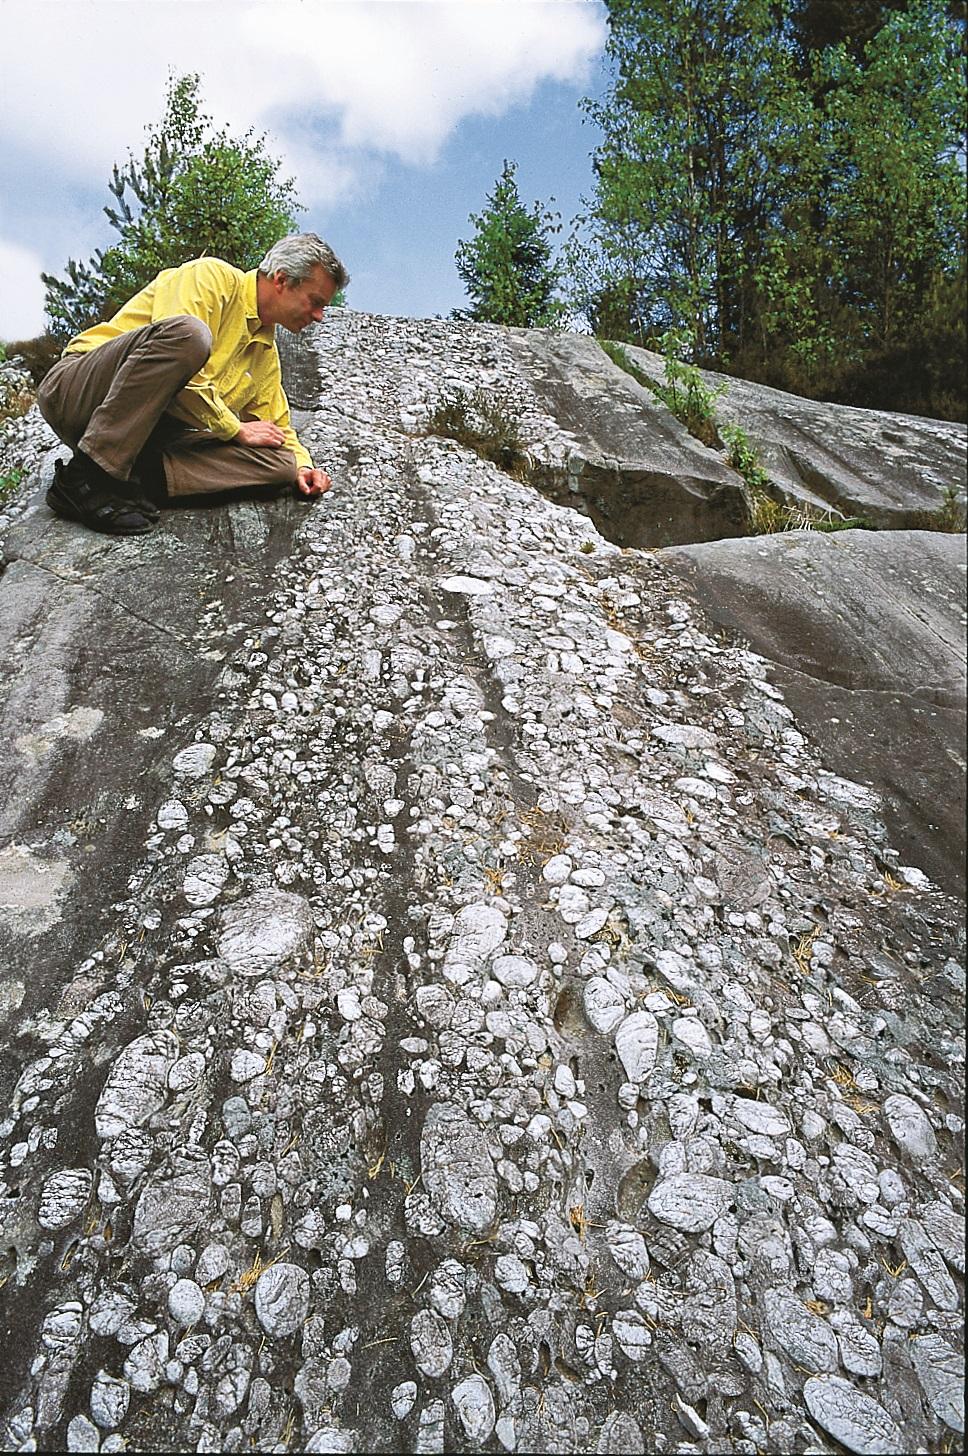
81 78
21 293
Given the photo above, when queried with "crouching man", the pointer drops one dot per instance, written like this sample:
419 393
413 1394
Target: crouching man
180 393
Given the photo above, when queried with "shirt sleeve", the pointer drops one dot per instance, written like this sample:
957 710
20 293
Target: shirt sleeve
271 404
199 289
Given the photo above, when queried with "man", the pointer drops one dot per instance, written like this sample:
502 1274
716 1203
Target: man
183 388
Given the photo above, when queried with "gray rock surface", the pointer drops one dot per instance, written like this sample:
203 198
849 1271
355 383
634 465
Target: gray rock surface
625 459
548 1065
889 469
864 633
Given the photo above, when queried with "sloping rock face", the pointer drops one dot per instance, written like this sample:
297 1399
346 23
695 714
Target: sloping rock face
505 1036
636 471
864 633
893 471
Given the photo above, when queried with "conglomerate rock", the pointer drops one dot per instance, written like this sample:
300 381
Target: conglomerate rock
503 1031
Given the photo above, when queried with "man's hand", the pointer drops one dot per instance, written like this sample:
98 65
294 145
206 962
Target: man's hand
260 432
312 482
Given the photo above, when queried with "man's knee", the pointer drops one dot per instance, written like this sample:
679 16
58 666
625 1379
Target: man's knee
190 335
284 472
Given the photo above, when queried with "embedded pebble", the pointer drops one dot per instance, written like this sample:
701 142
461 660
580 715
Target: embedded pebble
262 932
195 761
637 1043
110 1398
632 1334
186 1302
516 971
690 1201
927 1264
205 876
910 1127
282 1299
851 1417
690 1033
941 1375
82 1435
430 1342
457 1170
136 1085
475 1407
604 1004
63 1197
402 1398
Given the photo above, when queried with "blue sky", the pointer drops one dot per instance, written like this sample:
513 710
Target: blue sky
395 116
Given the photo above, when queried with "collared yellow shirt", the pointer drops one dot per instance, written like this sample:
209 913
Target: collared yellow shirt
243 375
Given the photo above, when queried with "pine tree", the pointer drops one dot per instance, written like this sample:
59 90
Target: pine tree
194 190
507 268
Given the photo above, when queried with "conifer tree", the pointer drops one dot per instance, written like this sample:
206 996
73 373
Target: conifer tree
507 267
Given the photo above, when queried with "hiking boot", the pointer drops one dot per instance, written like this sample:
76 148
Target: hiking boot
85 493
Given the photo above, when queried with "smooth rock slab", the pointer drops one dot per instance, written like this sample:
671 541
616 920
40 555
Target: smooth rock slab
136 1085
263 931
457 1170
637 1044
690 1201
851 1417
282 1299
63 1197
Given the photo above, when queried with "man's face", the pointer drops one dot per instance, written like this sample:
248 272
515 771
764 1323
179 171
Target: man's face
301 304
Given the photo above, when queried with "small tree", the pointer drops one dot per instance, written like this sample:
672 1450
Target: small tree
195 190
506 267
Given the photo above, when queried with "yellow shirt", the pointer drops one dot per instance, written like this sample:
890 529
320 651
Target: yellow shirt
242 377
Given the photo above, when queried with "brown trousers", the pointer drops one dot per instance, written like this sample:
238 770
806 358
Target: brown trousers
112 403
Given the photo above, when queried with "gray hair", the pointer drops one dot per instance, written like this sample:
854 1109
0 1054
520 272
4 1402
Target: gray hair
297 256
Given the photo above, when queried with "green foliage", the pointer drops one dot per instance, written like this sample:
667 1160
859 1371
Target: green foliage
684 392
10 480
784 179
506 268
194 191
489 427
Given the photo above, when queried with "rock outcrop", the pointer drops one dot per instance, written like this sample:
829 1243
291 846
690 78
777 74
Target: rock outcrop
450 1000
864 632
892 471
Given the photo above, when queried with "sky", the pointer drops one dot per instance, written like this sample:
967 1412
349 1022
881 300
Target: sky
394 117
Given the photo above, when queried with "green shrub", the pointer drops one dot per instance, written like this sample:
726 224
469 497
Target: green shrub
9 481
485 425
684 392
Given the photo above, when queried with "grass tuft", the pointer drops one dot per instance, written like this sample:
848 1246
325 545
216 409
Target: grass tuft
487 426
